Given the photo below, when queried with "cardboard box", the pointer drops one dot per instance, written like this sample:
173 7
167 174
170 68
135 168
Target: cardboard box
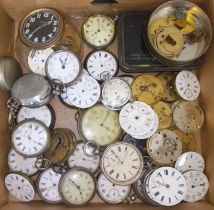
12 11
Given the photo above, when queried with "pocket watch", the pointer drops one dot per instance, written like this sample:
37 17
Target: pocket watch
41 28
187 85
77 186
99 124
190 161
115 93
63 67
101 64
10 71
122 163
19 163
197 186
188 141
137 118
82 159
84 93
20 186
168 79
30 138
188 117
164 147
37 60
32 90
47 186
62 145
147 88
164 113
167 186
70 40
110 192
44 113
64 98
98 31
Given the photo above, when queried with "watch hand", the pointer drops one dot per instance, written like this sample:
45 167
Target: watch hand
77 186
108 129
165 185
42 26
106 116
200 185
117 157
93 161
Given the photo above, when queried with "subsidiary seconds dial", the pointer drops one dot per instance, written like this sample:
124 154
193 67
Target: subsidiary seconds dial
41 28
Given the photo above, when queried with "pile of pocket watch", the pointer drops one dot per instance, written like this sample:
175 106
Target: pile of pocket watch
137 132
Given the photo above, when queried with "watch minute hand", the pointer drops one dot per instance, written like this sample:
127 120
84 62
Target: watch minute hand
42 26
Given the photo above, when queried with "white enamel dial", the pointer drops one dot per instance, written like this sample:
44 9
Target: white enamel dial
20 187
79 158
190 161
137 118
98 31
197 186
63 66
17 162
77 186
187 85
122 163
101 65
128 79
164 147
112 193
30 138
167 186
100 124
47 184
37 60
115 93
188 117
42 113
84 93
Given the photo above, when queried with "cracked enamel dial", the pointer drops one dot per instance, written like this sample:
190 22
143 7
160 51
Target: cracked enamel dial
101 64
167 186
164 147
112 193
137 118
84 93
98 31
79 158
187 85
41 28
17 162
37 60
190 161
188 117
42 113
30 138
115 93
100 124
63 67
20 187
77 186
122 163
197 186
47 184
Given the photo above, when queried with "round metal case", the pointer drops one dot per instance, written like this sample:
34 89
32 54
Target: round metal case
32 90
10 71
30 138
41 28
47 186
176 41
63 67
99 124
77 186
98 31
20 186
122 163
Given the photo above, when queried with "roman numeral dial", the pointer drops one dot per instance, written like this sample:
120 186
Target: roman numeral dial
122 163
